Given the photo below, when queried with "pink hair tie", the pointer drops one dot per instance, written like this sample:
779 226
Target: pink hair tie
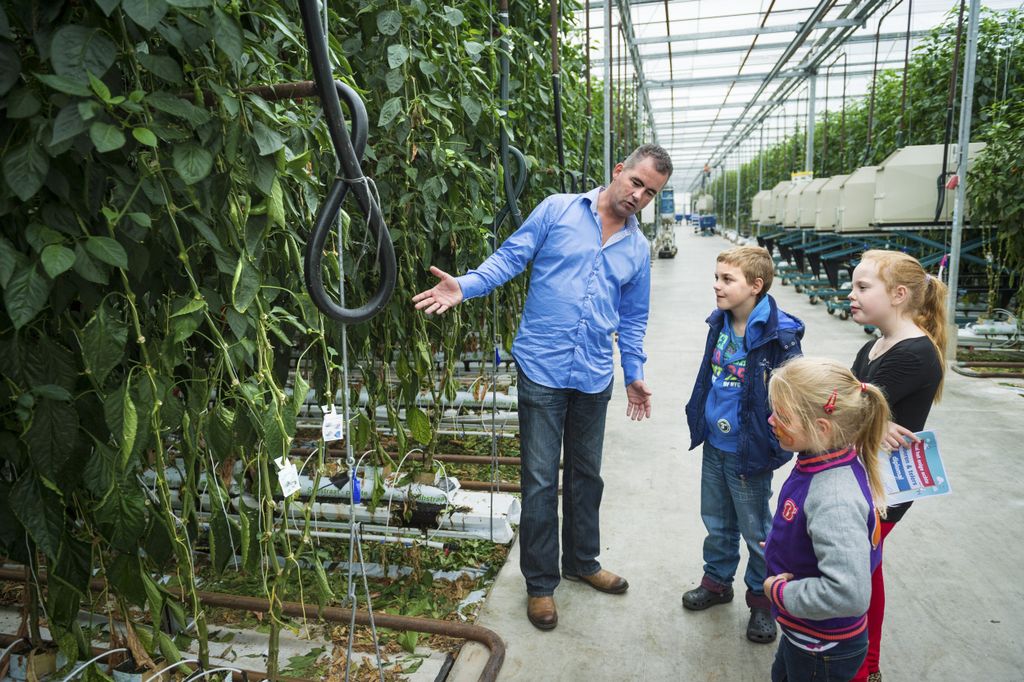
830 405
863 387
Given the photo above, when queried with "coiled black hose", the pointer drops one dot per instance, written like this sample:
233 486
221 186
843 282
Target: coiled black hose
349 151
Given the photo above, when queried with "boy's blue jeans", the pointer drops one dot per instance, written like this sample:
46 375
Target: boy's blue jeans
551 419
732 507
838 664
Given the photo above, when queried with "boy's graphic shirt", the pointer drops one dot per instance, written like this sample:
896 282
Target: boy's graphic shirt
728 370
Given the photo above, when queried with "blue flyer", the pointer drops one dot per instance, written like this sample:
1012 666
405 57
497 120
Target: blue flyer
911 473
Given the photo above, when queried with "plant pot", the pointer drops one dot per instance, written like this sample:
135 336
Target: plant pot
33 665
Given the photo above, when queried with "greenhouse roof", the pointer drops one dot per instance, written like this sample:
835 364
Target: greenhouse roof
721 79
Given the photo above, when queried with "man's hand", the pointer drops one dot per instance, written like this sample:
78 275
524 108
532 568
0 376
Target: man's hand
639 397
897 436
446 294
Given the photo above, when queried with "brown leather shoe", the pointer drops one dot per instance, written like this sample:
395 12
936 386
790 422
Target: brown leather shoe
542 612
604 581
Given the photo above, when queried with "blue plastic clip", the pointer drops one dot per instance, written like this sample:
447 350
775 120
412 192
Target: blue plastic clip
356 493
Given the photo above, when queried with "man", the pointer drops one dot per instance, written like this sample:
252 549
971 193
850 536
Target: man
590 278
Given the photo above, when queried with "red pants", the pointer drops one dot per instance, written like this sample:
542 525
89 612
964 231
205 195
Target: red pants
876 612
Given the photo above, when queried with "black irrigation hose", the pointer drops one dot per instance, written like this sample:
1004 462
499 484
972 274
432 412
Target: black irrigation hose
940 182
586 140
556 93
349 151
512 188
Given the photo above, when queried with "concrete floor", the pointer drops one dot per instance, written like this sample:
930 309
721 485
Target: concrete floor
954 565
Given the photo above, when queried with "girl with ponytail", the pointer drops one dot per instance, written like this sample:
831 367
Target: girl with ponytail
825 539
893 292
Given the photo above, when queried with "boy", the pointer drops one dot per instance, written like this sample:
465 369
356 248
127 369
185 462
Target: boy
728 412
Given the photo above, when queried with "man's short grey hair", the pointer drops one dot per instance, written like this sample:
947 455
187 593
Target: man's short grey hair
662 161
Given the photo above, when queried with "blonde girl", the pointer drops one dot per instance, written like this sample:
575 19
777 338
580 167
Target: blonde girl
825 537
894 293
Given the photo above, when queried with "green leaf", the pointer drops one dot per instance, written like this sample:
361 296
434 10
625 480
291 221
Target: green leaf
10 259
67 124
25 168
87 268
419 424
227 34
51 392
300 391
473 49
10 67
40 511
22 104
471 108
275 205
124 513
439 100
57 259
192 162
245 284
397 54
189 4
175 106
394 80
78 50
268 140
190 307
103 340
427 68
108 6
389 111
51 436
453 16
64 84
141 219
25 295
162 67
129 428
144 136
107 250
145 13
99 87
388 22
106 137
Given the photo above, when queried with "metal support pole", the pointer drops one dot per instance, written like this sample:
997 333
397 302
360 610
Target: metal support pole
809 152
607 93
739 183
963 139
760 162
725 191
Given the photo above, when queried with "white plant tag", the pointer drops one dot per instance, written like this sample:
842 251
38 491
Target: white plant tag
333 427
287 476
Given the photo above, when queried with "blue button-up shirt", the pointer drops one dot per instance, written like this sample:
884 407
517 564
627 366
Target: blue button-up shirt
580 292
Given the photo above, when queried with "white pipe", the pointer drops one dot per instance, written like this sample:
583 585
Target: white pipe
90 662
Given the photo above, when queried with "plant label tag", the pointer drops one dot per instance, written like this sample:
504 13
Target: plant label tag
287 476
333 427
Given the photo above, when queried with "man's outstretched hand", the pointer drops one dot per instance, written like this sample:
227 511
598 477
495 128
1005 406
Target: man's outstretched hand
639 397
446 294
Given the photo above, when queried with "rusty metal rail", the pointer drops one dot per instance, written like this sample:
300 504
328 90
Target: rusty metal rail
333 614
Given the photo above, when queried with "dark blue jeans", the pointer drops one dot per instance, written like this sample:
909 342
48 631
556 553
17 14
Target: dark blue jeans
838 664
550 420
733 507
